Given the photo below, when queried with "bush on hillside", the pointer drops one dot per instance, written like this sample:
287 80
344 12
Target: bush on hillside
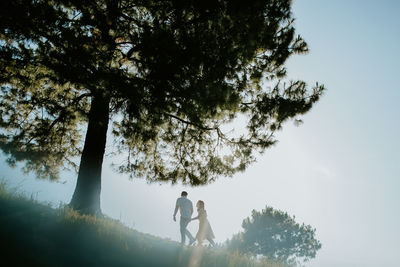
276 235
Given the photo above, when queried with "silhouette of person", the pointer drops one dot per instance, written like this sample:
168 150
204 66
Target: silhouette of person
205 231
185 207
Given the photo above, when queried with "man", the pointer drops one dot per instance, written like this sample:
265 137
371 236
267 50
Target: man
185 207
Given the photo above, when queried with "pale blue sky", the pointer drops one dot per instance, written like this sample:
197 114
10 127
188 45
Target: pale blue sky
338 172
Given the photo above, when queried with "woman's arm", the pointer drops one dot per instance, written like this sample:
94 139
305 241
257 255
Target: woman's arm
200 215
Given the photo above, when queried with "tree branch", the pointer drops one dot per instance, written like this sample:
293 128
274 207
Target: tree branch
191 123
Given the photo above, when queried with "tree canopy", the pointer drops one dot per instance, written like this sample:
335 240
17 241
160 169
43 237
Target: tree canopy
171 77
276 235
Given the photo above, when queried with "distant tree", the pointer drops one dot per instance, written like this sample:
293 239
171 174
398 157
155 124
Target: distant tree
171 76
276 235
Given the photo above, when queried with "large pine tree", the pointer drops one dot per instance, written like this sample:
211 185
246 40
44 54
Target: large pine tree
169 76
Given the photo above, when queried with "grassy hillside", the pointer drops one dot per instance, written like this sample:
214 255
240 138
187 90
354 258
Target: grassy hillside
33 234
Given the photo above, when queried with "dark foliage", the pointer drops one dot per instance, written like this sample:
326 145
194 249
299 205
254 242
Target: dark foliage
174 76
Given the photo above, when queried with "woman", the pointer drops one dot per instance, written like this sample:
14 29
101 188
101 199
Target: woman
205 231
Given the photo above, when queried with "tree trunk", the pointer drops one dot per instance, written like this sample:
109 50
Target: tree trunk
86 198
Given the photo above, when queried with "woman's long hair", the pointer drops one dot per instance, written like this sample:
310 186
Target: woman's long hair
201 204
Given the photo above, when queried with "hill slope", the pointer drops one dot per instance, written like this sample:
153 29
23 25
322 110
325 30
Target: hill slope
33 234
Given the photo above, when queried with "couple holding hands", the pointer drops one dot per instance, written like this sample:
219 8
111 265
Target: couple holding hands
185 206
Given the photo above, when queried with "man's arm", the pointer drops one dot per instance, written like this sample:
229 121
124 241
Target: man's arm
176 210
